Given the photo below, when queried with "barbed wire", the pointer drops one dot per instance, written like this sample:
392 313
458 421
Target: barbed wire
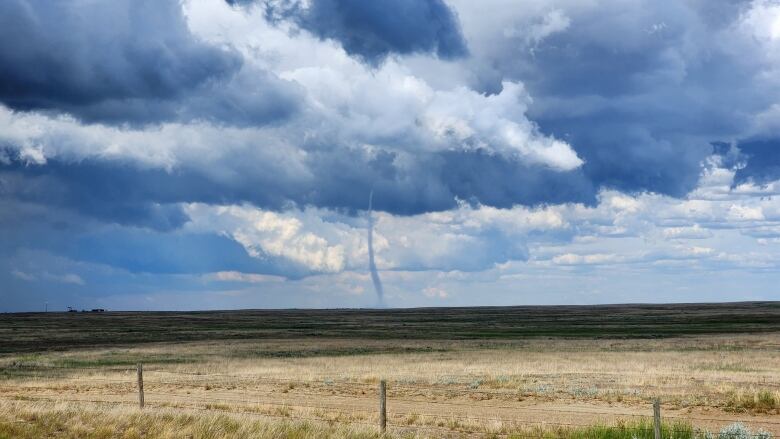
249 401
214 409
448 429
525 408
405 426
445 387
395 386
459 405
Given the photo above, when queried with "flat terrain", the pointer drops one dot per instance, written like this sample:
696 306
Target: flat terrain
38 331
450 372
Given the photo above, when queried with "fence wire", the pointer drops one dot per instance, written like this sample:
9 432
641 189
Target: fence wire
398 420
394 426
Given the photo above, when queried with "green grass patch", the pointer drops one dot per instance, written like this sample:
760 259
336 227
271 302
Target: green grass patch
624 430
763 401
119 360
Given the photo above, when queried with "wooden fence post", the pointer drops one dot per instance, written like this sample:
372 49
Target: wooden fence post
657 418
140 385
382 406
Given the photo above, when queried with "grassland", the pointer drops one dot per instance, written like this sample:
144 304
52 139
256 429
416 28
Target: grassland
38 331
19 421
36 421
550 371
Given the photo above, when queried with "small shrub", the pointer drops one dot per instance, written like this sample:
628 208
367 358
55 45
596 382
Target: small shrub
475 384
447 380
738 430
589 392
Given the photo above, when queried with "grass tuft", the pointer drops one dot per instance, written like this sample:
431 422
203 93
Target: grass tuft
763 401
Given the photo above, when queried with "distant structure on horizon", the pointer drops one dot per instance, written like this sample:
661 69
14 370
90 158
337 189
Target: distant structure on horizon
71 309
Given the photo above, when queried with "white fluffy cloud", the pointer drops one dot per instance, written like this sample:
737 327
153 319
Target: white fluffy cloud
346 102
643 230
326 242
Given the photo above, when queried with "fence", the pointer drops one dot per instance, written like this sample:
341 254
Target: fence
447 417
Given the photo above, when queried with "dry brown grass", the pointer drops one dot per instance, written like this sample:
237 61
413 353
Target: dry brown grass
62 420
442 384
41 420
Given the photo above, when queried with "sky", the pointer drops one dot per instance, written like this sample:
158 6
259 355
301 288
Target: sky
213 154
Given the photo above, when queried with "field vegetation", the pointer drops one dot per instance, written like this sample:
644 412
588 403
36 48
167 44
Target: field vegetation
36 421
278 377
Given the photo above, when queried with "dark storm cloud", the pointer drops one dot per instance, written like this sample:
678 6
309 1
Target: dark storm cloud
760 161
434 181
623 154
642 91
339 178
372 30
145 251
630 109
112 192
639 90
130 217
482 178
127 61
437 181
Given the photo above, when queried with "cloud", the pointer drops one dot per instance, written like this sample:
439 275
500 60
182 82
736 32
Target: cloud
639 110
597 258
689 232
435 293
185 252
22 275
237 276
421 150
761 163
320 241
745 213
129 61
66 278
646 233
373 30
283 236
73 186
165 150
421 145
496 123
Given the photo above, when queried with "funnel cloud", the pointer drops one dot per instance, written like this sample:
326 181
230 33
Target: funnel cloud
371 264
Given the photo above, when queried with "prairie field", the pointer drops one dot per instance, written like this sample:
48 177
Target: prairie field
485 372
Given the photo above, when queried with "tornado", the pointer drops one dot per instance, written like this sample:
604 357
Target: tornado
371 264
